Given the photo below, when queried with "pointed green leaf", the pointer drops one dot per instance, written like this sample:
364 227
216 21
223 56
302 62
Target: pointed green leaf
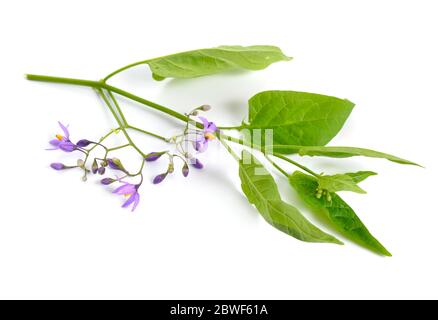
338 212
346 152
202 62
261 190
297 118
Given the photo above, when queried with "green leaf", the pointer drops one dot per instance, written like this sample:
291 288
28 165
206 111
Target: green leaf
338 212
296 118
204 62
346 152
339 182
261 190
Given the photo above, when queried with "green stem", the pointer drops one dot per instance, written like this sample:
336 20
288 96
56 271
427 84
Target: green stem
112 74
101 85
275 154
119 147
102 139
147 132
280 156
232 128
119 110
278 167
228 148
107 102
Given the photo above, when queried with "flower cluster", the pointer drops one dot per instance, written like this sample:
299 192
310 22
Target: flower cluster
191 141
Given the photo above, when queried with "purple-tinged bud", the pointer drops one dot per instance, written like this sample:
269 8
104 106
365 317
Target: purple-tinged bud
153 156
83 143
107 181
185 169
158 179
101 170
197 164
94 167
58 166
205 107
116 164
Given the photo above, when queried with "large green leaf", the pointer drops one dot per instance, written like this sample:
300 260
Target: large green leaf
261 190
204 62
346 152
296 118
338 212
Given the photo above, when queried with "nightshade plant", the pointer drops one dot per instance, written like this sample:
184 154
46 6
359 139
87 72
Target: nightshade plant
279 123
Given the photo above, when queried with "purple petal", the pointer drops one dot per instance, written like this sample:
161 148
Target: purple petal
127 188
201 147
130 200
205 122
136 201
65 130
55 142
211 127
67 146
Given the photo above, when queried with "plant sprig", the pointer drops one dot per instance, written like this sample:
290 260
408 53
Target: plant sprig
279 123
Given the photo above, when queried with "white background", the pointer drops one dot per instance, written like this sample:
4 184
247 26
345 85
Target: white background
198 237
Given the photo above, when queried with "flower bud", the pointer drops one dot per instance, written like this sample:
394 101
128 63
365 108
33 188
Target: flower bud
158 179
83 143
170 168
185 169
153 156
80 163
94 166
116 164
101 170
58 166
107 181
197 164
205 107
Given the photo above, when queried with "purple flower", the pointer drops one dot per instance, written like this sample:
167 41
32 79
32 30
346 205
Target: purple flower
208 134
63 142
131 191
